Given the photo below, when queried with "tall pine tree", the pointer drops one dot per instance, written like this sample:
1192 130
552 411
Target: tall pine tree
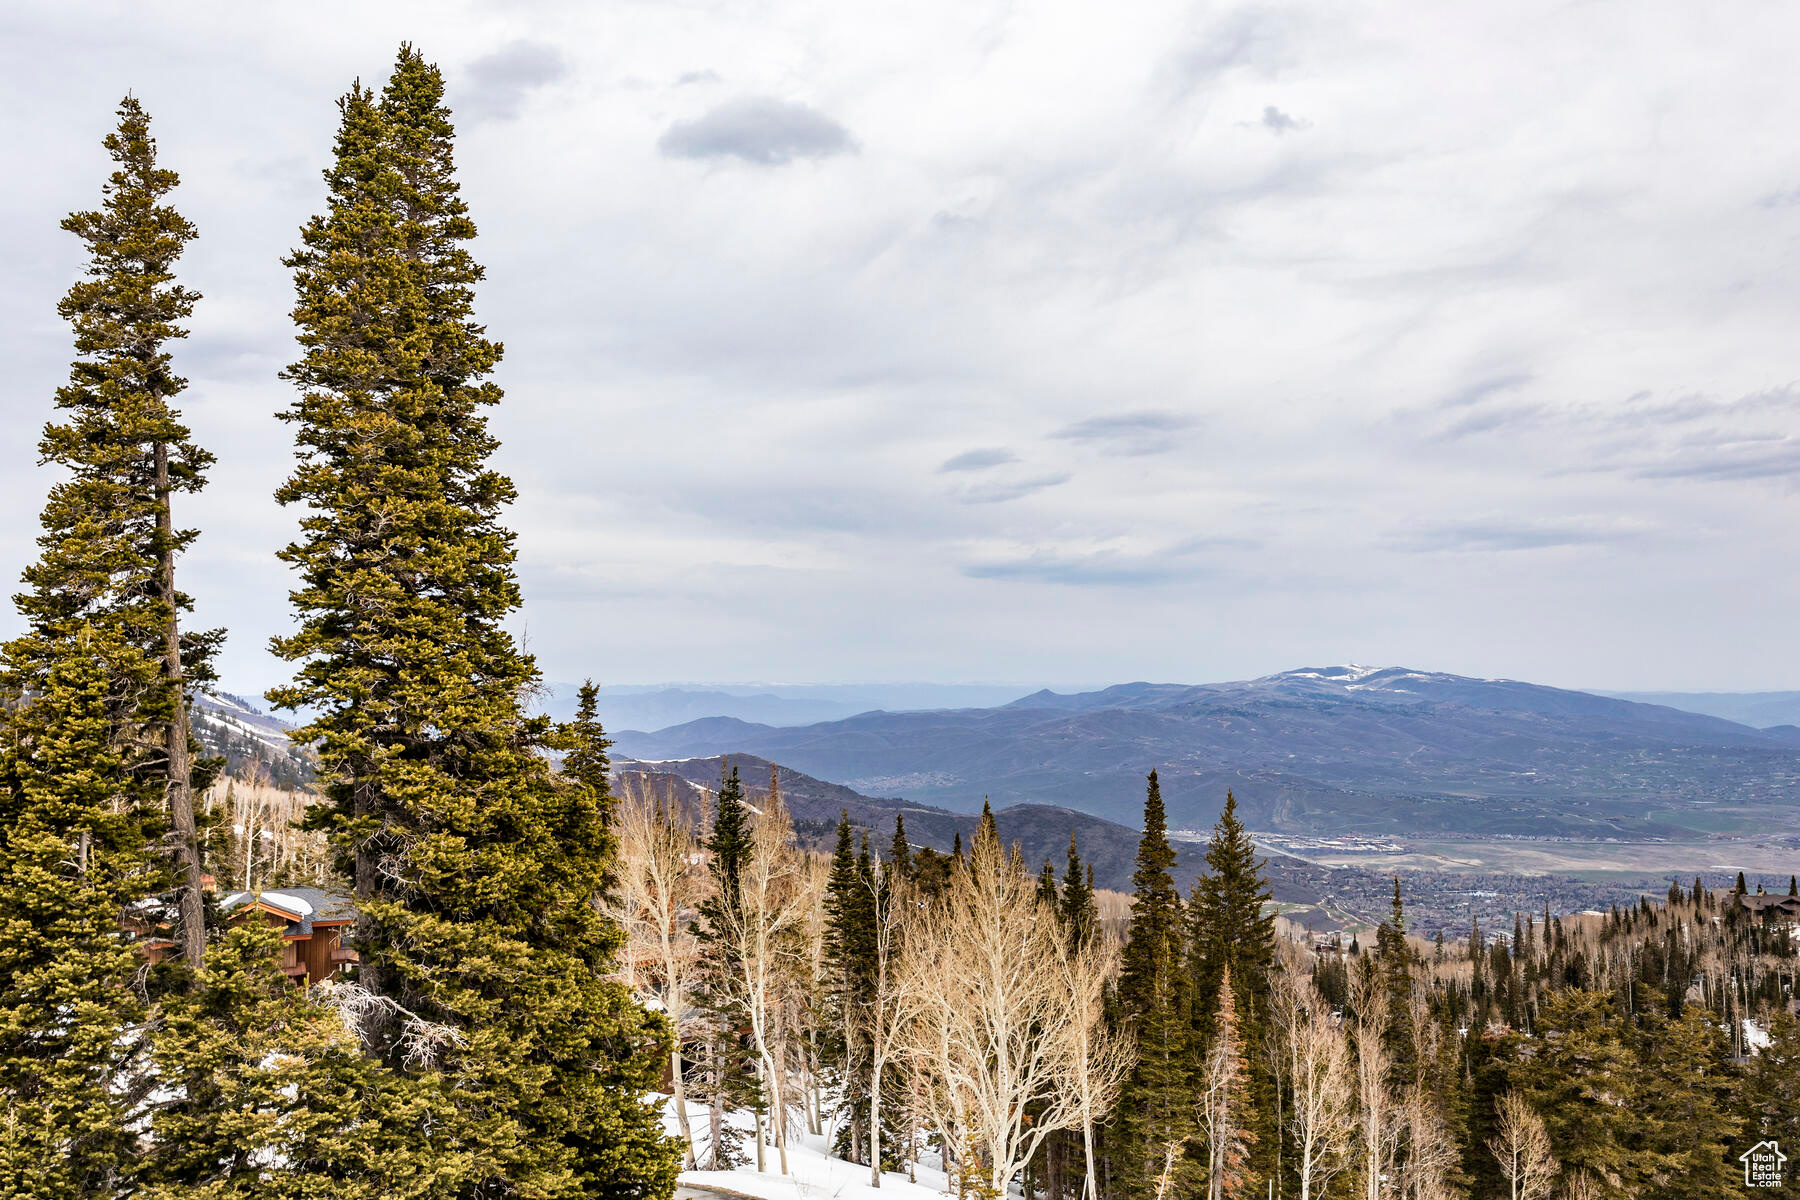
727 844
96 737
1154 1116
1077 897
475 867
1229 933
109 544
850 965
900 850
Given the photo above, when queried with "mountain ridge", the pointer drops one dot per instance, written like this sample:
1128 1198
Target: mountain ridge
1376 749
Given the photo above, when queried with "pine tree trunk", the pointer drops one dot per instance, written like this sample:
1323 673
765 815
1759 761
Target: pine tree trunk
181 771
368 972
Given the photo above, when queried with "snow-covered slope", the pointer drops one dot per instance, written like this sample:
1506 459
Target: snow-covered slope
812 1173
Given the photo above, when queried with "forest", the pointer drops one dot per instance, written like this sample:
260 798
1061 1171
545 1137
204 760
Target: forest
965 1010
539 961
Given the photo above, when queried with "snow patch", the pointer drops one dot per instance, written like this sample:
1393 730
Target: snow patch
813 1174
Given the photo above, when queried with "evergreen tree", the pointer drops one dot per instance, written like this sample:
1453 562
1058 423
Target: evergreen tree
95 738
1154 1115
1772 1080
108 550
1228 928
584 744
900 850
76 827
1394 958
727 843
108 542
930 873
850 958
1230 932
1047 895
1077 897
586 764
1686 1097
475 867
1580 1070
271 1096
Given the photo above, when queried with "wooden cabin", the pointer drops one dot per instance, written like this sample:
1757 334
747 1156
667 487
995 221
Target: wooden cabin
315 924
1769 906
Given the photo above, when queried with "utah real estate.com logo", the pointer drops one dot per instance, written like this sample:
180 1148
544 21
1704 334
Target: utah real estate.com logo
1762 1164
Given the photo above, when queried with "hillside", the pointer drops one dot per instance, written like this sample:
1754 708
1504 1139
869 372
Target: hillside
1041 830
1312 750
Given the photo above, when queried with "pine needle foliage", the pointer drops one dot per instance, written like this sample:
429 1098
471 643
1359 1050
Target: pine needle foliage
270 1096
95 711
108 547
77 829
1154 1113
475 866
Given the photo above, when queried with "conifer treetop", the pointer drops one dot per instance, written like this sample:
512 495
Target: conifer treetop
100 547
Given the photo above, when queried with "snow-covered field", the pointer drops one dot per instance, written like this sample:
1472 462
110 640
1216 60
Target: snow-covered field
812 1173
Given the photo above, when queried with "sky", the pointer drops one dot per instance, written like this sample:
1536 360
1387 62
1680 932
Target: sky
1033 342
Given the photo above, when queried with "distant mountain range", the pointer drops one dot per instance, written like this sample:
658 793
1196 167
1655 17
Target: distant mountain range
1760 710
656 707
1379 750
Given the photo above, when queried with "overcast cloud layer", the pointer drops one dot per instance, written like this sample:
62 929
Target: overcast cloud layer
985 341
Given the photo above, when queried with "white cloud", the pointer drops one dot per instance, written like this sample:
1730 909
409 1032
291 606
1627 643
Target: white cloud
1515 288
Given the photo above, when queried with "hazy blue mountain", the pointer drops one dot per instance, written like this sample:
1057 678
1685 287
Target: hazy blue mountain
1371 749
1761 710
660 706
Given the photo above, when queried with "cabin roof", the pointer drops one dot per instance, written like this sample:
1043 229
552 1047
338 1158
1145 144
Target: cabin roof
303 907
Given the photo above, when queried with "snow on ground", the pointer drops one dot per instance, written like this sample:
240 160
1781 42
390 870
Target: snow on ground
812 1173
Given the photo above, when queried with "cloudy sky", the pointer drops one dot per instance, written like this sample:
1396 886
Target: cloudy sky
1042 342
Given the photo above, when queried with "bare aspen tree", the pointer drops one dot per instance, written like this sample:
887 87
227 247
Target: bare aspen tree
260 827
1431 1154
1522 1148
995 1032
764 926
1165 1178
1321 1116
1582 1185
940 991
1224 1086
1377 1127
814 930
1102 1058
890 1002
660 885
